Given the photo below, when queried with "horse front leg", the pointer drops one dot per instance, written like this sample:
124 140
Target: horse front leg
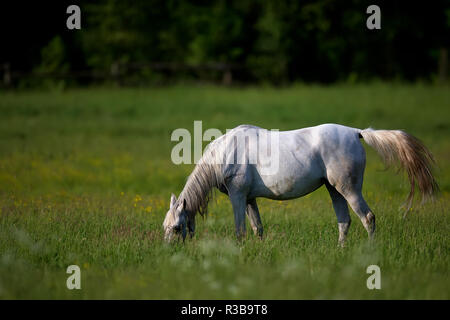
254 217
191 225
239 204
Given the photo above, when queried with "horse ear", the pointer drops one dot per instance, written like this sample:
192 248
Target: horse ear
173 199
184 204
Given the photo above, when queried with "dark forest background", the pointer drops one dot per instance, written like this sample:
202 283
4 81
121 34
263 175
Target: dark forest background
276 42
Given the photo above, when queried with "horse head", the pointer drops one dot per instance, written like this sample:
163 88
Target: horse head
176 220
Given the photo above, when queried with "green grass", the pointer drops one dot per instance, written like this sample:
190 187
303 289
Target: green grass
86 176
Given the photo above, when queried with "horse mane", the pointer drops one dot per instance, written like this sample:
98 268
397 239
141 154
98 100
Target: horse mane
200 184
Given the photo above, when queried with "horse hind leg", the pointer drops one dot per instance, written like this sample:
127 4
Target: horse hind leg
349 184
254 218
355 199
341 209
359 205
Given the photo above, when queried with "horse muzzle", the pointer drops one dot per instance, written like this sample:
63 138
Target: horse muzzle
175 233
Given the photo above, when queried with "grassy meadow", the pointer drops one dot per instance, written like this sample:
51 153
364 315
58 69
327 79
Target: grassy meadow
86 177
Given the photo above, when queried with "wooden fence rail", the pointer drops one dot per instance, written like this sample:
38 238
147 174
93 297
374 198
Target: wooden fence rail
119 71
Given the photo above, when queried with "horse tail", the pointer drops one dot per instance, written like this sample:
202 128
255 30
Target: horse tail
410 154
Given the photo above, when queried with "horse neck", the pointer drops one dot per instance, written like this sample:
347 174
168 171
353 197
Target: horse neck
198 188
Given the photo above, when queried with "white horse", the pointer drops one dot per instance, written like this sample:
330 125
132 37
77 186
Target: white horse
327 154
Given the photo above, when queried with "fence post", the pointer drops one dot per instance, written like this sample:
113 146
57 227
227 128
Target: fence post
6 75
443 65
115 72
227 77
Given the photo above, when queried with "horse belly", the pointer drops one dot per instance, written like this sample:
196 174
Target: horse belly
299 172
287 185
